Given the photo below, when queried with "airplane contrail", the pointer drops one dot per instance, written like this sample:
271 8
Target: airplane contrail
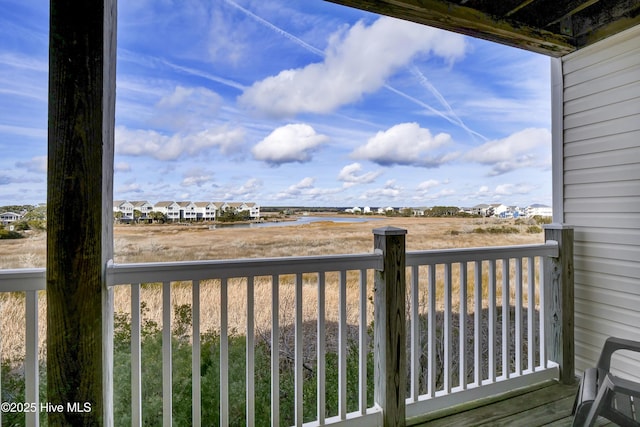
322 54
278 30
146 59
422 79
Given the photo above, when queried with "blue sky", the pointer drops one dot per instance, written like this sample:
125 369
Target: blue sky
291 102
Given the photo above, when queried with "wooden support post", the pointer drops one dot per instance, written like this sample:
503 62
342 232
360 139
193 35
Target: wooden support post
82 56
390 351
559 302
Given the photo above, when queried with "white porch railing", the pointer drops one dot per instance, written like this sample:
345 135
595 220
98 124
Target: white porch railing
249 271
498 288
495 293
28 282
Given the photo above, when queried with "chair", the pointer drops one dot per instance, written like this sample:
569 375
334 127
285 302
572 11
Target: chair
604 394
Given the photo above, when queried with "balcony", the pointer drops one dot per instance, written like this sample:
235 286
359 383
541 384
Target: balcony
336 337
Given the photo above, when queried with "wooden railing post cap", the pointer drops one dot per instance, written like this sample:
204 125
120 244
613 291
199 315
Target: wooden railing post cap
389 231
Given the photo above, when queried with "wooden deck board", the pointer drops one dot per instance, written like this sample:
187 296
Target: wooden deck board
546 404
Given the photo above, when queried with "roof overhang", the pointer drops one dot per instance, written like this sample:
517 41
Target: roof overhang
550 27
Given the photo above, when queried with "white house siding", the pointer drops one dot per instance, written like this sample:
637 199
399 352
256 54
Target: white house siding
602 192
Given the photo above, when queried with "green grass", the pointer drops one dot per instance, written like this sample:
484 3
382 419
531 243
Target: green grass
210 374
151 342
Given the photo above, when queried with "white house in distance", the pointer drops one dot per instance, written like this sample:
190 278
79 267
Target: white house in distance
170 209
144 207
206 211
9 217
480 209
188 211
185 210
539 210
253 208
499 209
124 207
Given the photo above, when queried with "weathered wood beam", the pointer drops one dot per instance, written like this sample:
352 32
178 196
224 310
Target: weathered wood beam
79 196
390 337
559 302
519 7
606 22
472 22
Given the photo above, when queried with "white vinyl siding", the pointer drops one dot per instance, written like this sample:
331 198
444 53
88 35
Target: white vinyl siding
601 131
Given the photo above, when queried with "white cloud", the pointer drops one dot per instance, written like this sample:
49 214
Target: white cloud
195 177
427 185
405 144
297 188
356 62
132 187
164 147
36 164
511 189
6 179
187 108
390 191
305 190
351 175
226 43
246 192
290 143
425 191
122 167
527 148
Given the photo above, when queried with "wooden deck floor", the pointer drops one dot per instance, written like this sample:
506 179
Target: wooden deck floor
545 404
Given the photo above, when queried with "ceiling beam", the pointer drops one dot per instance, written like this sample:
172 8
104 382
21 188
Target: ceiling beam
520 6
609 21
465 20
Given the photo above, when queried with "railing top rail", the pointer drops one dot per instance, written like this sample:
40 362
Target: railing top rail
217 269
23 279
486 253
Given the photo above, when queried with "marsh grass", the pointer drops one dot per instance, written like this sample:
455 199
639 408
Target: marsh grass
157 243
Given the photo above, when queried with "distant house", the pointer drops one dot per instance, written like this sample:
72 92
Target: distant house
9 217
419 211
187 211
510 212
481 209
499 210
205 211
125 208
253 208
170 209
142 206
219 206
234 206
516 211
539 210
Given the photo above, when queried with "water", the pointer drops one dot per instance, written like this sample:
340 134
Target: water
300 221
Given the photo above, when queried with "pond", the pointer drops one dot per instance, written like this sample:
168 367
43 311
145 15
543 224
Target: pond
300 221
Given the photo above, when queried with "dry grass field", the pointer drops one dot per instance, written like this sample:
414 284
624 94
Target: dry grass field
148 243
152 243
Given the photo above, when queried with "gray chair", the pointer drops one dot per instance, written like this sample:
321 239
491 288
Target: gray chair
604 394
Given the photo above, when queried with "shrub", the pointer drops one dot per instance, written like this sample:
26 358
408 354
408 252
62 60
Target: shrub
542 219
497 230
534 229
151 336
7 234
